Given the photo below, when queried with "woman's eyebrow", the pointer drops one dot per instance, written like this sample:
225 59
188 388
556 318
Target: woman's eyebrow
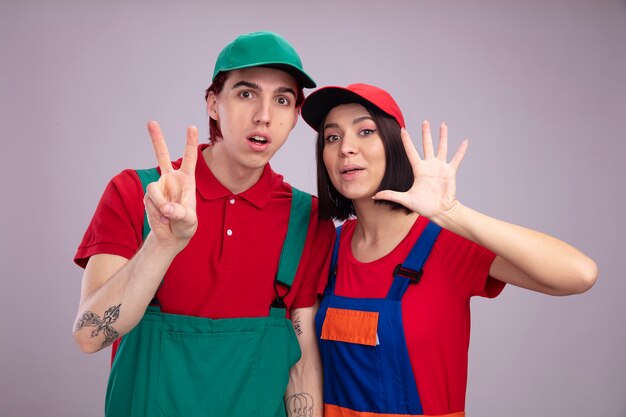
354 122
362 118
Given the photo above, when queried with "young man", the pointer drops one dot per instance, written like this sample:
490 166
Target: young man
195 290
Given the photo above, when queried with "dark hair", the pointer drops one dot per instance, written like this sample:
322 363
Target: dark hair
216 87
398 172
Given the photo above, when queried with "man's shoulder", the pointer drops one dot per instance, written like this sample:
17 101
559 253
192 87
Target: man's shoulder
126 183
128 176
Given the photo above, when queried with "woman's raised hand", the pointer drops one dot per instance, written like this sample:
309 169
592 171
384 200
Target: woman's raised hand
434 187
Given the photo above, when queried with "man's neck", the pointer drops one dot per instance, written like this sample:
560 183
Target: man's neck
235 178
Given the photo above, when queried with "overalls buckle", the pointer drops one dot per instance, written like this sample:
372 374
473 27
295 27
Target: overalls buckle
413 276
279 301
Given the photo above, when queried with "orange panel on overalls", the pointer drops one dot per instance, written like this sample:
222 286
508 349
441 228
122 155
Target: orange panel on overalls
367 370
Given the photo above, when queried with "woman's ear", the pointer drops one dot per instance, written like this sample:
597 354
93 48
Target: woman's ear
211 106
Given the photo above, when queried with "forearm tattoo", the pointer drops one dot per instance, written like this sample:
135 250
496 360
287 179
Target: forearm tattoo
299 405
297 323
101 325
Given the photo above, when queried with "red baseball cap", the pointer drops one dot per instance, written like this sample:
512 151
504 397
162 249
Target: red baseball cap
321 101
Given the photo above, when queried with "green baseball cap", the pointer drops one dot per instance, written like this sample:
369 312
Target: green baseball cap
262 49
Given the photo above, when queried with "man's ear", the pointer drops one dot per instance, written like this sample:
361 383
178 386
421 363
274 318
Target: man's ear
211 106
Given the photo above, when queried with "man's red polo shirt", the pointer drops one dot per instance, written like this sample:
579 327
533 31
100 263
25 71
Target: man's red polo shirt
227 270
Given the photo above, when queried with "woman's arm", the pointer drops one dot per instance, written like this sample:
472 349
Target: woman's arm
525 258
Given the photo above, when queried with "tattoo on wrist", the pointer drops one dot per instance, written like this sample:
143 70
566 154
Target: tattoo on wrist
297 324
90 319
299 405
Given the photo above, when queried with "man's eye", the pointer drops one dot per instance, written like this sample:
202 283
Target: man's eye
283 101
245 94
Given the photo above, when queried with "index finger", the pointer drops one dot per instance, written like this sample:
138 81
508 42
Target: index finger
160 147
190 157
409 148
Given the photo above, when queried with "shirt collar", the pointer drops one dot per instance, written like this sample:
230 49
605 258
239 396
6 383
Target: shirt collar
211 189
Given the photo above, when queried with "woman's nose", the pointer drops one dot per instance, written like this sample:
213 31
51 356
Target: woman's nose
348 145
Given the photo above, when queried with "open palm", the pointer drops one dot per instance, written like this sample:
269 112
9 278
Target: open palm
434 187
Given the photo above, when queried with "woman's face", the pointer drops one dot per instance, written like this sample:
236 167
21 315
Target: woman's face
353 154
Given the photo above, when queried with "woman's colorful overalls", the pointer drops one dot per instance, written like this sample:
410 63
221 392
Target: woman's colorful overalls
367 370
174 365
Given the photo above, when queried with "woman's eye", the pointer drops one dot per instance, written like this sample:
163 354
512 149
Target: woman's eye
332 138
367 132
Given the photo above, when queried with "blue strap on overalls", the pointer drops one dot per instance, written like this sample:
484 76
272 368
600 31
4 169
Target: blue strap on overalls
373 379
411 268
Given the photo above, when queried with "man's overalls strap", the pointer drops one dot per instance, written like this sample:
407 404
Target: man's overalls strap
293 245
175 365
292 249
146 176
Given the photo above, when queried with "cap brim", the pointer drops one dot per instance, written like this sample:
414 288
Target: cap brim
302 78
320 102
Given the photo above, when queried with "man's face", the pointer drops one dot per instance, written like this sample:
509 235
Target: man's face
256 111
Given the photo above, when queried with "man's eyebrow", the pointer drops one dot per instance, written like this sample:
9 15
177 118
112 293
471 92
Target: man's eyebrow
255 86
283 90
248 84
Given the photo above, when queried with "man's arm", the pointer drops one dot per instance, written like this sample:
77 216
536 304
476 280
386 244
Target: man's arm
115 291
304 391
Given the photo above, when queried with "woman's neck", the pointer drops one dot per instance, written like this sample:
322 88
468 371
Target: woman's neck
379 229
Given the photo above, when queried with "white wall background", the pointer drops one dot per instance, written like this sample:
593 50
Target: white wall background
537 86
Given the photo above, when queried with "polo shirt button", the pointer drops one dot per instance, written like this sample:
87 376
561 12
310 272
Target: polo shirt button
229 232
232 201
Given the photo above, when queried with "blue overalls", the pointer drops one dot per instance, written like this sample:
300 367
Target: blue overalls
367 370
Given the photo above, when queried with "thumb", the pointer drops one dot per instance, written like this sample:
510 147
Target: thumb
173 211
389 195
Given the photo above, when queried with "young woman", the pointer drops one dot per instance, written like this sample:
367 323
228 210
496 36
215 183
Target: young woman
394 322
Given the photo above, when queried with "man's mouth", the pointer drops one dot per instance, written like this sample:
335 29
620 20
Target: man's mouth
257 139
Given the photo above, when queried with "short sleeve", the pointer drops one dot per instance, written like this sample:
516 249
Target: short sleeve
116 226
313 267
468 263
